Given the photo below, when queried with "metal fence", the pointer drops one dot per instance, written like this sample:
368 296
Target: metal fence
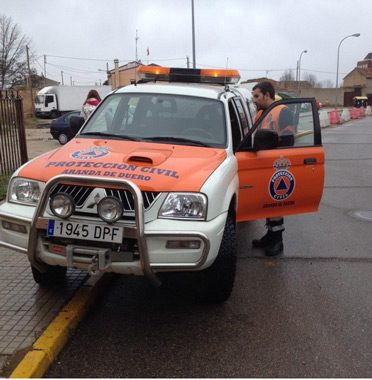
13 148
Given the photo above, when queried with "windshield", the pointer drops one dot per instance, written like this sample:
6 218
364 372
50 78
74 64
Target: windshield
169 119
39 99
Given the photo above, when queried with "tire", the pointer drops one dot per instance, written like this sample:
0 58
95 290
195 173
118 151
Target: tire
54 275
62 138
53 114
215 284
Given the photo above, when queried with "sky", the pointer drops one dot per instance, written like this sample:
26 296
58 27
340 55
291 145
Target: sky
257 37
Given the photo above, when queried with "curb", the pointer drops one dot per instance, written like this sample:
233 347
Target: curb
47 347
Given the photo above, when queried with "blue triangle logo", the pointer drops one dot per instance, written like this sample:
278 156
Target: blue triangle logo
282 185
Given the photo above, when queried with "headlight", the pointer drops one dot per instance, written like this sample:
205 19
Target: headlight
184 206
110 209
26 191
62 205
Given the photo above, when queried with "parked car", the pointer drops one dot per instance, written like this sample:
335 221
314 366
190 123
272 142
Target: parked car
60 128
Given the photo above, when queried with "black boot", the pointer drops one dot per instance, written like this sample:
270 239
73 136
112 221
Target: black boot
264 241
275 247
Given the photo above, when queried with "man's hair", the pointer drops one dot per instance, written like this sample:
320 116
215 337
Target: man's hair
266 87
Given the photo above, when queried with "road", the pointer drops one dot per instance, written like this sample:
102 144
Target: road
305 314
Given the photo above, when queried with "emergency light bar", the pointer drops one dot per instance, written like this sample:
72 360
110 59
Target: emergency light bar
172 74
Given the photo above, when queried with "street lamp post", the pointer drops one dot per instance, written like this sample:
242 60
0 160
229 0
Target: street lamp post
338 58
299 69
193 35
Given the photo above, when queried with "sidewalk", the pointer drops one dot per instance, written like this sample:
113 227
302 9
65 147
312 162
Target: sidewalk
26 309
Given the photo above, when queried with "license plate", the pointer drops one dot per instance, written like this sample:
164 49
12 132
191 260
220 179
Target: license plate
76 230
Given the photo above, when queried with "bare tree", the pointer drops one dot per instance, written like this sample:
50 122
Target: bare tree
13 66
312 79
287 76
328 83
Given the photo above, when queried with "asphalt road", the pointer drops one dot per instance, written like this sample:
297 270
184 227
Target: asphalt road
305 314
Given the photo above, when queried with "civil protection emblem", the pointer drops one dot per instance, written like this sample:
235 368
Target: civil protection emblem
90 153
282 182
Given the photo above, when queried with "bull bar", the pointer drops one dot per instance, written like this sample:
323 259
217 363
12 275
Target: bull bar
137 231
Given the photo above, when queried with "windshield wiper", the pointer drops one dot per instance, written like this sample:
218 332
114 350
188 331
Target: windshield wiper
176 139
123 137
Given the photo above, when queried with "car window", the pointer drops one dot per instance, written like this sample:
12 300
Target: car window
295 120
68 117
236 127
242 115
146 116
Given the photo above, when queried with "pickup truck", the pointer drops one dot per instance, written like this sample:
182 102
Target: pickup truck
157 179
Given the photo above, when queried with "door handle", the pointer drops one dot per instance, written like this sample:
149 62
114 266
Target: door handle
309 161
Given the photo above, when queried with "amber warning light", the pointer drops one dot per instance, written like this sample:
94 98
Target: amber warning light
171 74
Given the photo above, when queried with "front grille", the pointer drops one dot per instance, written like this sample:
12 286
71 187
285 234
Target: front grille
81 193
126 198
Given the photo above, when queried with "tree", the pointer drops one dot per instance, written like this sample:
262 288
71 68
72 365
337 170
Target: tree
328 83
287 76
312 79
13 65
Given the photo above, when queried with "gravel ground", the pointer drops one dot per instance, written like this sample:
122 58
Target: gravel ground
39 141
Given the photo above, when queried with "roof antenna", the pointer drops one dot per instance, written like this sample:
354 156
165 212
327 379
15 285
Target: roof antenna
226 85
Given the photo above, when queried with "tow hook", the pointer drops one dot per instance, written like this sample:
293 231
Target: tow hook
93 267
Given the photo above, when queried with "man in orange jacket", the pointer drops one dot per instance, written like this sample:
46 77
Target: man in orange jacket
279 119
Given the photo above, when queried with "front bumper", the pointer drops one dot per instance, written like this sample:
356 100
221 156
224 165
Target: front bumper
151 254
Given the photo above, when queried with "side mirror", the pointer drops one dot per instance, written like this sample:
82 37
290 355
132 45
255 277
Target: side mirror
76 122
265 139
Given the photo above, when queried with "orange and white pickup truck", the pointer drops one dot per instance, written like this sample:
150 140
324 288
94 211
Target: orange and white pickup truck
157 178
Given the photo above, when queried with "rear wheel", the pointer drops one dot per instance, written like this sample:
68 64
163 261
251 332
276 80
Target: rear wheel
54 275
62 138
215 284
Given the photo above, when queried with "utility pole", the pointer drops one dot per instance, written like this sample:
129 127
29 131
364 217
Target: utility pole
188 61
297 72
193 36
137 38
45 70
62 77
30 82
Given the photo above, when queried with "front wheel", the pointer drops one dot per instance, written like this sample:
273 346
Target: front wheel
54 275
53 114
62 138
215 284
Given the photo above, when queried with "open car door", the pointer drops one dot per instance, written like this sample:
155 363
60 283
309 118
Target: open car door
277 180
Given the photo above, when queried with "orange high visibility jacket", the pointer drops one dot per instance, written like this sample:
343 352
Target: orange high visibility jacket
272 121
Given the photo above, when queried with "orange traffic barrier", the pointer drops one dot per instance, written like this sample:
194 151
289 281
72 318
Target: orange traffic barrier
353 113
362 112
334 118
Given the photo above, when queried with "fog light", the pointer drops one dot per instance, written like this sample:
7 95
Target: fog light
62 205
183 244
110 209
14 227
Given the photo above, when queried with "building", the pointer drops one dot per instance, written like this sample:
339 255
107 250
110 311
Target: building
38 82
366 63
125 74
358 83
